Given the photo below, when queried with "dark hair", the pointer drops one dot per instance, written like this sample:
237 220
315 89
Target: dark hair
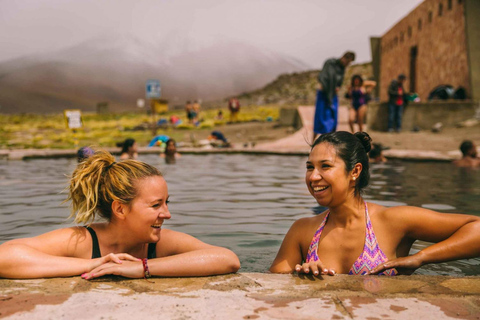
83 153
402 77
357 76
126 144
350 55
466 146
376 151
352 149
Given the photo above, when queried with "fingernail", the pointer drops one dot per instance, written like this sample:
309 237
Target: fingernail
325 270
316 273
333 272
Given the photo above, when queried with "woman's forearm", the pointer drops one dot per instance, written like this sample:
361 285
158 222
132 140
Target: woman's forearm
463 244
23 262
202 262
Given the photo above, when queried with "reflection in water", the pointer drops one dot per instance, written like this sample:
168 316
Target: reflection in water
243 202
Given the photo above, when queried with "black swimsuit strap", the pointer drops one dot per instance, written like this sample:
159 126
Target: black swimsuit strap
152 251
152 247
95 246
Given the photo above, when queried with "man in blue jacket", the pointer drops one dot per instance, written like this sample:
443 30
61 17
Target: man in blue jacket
330 79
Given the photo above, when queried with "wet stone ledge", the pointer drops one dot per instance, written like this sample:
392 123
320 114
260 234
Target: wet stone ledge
243 296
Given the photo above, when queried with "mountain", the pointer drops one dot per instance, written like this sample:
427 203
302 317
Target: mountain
115 68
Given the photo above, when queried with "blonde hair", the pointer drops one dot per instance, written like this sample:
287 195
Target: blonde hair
99 180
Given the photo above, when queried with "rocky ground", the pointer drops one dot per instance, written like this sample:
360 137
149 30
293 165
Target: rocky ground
448 139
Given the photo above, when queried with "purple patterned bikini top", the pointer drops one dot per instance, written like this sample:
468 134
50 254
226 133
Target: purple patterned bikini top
371 256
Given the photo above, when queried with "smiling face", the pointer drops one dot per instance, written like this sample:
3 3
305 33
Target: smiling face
326 178
147 212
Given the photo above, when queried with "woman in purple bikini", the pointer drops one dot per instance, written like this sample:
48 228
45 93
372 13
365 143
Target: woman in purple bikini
358 237
359 92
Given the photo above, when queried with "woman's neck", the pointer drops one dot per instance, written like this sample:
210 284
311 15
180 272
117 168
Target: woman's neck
348 212
119 240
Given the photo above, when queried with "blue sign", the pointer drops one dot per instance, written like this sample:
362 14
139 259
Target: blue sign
152 89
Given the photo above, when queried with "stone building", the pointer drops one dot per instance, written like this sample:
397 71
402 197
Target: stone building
438 43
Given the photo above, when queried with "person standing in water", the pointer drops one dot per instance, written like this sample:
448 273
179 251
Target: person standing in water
469 155
129 149
356 237
330 80
170 154
132 198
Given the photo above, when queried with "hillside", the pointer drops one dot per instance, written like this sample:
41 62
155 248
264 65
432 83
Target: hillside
299 88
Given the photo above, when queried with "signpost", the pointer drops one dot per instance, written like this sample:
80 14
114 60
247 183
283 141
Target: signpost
153 91
73 120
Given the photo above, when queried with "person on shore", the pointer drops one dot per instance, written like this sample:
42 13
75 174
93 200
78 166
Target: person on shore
132 197
196 112
397 100
234 107
189 111
469 155
359 92
129 149
218 139
358 237
330 80
170 154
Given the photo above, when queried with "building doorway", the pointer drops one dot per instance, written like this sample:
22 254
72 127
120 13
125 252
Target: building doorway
413 68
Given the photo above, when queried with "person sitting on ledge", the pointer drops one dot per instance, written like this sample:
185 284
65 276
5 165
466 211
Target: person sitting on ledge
132 197
469 158
358 237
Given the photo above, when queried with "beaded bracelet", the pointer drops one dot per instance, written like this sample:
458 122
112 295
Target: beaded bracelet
146 272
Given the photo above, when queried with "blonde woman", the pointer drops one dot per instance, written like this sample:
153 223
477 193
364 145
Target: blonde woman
132 198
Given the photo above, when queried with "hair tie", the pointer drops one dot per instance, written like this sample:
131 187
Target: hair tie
109 166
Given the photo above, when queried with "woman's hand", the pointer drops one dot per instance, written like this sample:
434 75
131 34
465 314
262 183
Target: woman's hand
314 267
406 265
125 268
117 259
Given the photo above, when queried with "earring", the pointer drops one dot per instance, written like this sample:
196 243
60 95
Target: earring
354 178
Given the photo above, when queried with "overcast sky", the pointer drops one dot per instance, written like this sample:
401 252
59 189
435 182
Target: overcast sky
309 30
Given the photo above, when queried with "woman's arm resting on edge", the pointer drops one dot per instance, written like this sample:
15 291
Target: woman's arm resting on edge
456 236
48 255
290 252
179 255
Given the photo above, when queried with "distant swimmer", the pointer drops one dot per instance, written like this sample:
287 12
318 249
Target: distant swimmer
129 149
470 158
170 154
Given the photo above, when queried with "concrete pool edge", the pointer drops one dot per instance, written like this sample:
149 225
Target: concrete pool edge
408 155
244 295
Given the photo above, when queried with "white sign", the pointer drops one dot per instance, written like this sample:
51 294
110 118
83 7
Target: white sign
74 118
152 89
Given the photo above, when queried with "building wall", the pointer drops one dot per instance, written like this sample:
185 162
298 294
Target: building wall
441 48
472 21
422 115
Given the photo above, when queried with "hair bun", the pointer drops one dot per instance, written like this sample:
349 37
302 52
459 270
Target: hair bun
365 140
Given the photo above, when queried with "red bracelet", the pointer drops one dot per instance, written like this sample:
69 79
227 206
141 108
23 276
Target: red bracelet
146 272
